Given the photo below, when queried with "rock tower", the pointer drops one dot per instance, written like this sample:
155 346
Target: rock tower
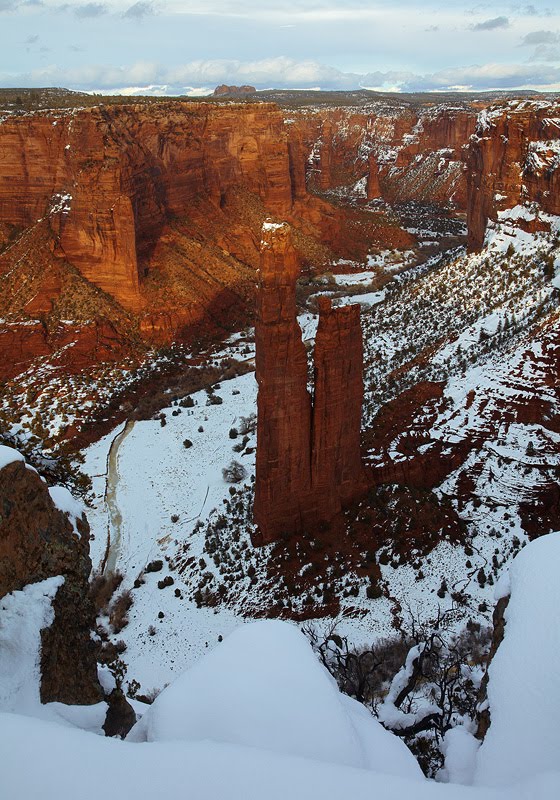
308 448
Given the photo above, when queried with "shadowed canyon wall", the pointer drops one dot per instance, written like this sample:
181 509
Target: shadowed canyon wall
308 450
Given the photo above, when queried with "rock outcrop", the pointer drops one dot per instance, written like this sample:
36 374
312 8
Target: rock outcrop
39 541
513 158
233 91
308 449
110 178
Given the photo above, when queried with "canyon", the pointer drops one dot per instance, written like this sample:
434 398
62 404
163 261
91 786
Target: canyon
300 359
146 219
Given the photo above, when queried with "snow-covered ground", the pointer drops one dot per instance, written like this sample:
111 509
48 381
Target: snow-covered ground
260 717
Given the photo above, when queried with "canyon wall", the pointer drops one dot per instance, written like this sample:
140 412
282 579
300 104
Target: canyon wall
110 178
157 209
402 152
513 158
308 462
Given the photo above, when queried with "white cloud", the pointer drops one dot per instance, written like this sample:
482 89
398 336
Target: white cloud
91 10
541 37
284 72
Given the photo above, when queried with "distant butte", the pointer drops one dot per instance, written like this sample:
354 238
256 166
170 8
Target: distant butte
308 448
223 89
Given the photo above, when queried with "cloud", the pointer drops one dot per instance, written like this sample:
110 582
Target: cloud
491 24
533 11
545 52
541 37
286 73
32 39
91 10
144 8
12 5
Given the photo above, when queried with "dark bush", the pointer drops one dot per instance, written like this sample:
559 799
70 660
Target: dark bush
234 472
102 588
118 613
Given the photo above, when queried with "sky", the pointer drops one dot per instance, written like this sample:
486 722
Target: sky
189 47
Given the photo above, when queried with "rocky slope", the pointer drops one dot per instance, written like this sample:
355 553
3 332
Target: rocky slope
43 534
391 150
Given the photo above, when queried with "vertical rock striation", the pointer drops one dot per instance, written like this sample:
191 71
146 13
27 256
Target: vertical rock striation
308 450
284 404
512 159
336 462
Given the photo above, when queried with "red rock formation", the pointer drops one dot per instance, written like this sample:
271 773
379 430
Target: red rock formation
91 343
512 158
325 156
414 153
336 463
110 178
308 454
38 541
373 190
224 89
283 468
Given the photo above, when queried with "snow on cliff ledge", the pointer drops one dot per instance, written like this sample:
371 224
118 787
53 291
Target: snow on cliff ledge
524 676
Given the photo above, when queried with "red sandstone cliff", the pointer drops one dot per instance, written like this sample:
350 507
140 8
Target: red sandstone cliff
109 178
159 207
308 451
513 157
283 469
404 152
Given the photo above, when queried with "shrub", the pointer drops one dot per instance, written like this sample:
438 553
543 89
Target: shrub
154 566
373 591
167 581
187 443
118 614
234 472
102 588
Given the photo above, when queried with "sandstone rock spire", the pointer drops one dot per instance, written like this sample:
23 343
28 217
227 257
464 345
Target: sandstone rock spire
308 449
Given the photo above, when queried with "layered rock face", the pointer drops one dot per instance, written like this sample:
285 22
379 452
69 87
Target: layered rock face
308 450
38 541
109 179
404 152
513 158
